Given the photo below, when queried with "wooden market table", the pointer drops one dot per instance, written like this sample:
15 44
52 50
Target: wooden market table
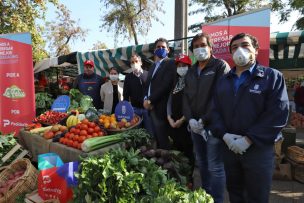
36 144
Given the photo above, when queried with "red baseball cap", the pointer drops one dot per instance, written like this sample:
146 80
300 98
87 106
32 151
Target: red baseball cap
89 62
184 59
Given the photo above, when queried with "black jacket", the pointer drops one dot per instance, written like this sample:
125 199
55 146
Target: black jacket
161 85
199 89
134 88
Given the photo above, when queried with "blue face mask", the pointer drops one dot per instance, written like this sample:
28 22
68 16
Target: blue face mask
160 53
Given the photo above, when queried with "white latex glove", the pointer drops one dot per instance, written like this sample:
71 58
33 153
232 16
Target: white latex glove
204 134
230 138
196 126
240 145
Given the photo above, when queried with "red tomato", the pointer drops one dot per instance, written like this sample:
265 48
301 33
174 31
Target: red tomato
97 129
100 133
71 136
61 139
94 134
90 131
78 126
83 133
75 144
77 131
81 139
70 143
72 130
75 138
92 125
85 121
89 136
84 127
67 135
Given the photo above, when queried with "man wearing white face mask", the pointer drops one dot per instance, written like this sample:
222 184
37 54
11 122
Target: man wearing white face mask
250 110
112 91
134 87
199 86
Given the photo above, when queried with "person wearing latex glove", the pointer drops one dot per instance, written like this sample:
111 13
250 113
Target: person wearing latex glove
240 145
249 120
230 138
196 126
200 82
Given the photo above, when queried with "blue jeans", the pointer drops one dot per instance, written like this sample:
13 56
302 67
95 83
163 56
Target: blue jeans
210 162
146 123
249 175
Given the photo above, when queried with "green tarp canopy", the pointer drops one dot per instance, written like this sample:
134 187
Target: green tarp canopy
287 50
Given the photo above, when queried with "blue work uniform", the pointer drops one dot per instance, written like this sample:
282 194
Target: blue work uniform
90 85
254 105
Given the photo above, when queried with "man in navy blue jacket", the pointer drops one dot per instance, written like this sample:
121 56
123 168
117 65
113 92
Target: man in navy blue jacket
250 109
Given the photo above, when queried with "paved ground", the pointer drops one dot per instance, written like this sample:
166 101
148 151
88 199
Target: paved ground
281 192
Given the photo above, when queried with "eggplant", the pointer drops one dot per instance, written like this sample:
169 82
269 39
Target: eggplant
143 149
160 161
150 153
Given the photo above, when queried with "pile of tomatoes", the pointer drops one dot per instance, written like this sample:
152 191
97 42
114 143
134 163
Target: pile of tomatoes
79 133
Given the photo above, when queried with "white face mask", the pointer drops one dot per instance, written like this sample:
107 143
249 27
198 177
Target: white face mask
114 77
182 70
135 67
241 57
201 53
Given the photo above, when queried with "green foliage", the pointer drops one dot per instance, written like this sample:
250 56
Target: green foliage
219 9
123 176
128 18
44 102
213 10
21 16
7 142
62 31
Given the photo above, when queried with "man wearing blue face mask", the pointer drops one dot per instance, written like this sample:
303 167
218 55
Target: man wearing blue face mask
159 83
200 82
250 109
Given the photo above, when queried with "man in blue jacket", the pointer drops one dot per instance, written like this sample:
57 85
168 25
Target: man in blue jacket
250 109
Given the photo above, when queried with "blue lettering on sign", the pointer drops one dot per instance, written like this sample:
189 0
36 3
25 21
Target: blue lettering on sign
124 110
61 104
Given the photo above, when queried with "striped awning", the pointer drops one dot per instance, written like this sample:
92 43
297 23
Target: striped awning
287 50
118 58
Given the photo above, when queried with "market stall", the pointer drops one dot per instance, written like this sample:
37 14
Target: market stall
36 144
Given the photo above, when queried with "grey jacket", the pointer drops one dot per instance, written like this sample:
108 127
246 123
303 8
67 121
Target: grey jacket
199 89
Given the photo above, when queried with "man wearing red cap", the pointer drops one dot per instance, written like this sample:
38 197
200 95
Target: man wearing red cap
89 83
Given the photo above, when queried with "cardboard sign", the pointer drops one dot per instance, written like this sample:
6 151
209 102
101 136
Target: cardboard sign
61 104
124 110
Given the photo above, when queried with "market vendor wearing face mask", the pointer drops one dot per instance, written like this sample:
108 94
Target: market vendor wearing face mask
89 83
250 110
112 91
159 84
200 83
178 131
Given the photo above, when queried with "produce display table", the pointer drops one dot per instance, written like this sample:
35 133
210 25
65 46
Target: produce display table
36 144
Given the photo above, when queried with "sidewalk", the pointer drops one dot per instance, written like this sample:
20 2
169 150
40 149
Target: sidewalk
281 191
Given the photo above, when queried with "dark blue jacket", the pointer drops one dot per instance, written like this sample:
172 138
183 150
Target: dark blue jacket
259 109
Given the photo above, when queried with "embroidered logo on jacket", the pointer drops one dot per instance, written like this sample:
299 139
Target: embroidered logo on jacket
209 72
255 89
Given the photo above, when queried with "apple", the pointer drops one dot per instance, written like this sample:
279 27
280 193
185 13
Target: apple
127 124
121 124
124 120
